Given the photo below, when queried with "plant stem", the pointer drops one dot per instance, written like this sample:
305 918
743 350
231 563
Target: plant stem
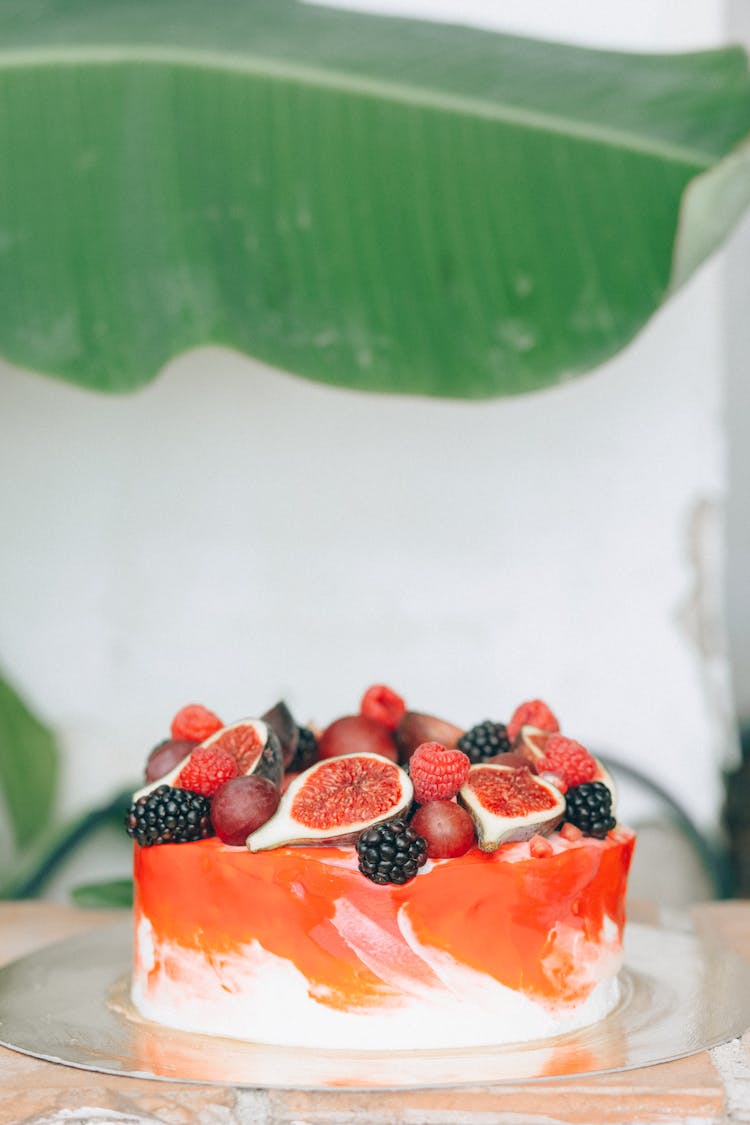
60 845
715 863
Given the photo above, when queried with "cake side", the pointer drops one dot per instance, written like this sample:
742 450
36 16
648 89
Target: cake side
293 947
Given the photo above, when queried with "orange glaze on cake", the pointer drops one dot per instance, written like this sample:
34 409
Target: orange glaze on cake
496 913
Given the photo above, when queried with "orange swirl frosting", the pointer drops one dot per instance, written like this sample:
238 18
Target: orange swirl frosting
549 929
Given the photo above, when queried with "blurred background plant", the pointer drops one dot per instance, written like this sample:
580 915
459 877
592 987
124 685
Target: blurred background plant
36 841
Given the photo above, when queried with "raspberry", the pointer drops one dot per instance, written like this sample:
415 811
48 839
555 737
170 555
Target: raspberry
568 758
195 722
540 847
436 773
206 770
533 713
571 832
382 704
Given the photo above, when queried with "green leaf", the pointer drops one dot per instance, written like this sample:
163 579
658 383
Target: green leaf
52 848
370 202
28 769
114 892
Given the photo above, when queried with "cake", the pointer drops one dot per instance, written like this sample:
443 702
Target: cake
403 893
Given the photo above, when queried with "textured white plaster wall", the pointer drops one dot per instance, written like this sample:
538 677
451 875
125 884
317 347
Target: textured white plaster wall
639 25
737 335
232 534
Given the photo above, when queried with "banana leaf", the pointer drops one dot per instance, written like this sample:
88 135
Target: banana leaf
375 203
29 768
109 893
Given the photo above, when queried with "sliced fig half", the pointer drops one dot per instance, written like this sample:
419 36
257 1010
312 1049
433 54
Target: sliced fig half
166 755
282 722
251 742
531 743
334 800
603 775
510 804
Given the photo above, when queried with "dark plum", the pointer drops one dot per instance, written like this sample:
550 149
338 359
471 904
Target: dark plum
356 734
168 754
447 828
281 721
242 805
415 728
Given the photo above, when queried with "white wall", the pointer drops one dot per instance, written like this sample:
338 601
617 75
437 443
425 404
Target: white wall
232 534
639 25
737 337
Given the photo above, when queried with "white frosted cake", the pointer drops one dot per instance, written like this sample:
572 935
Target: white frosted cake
353 918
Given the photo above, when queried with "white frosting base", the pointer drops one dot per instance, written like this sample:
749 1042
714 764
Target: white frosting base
258 996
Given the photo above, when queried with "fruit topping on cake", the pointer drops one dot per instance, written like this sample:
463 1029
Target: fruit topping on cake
417 727
207 769
383 704
540 847
307 750
516 759
510 804
391 853
168 816
270 782
356 734
485 740
532 713
447 828
570 832
255 746
166 755
251 744
568 759
195 723
335 800
241 806
589 807
281 722
436 773
530 742
559 760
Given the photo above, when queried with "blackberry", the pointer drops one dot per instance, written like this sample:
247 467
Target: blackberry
589 807
306 752
169 816
391 853
484 741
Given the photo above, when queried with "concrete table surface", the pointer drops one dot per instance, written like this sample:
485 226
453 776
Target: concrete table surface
710 1087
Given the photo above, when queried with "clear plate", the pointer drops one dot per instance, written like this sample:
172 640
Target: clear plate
67 1003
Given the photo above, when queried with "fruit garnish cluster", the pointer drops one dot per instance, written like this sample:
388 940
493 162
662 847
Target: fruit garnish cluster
399 786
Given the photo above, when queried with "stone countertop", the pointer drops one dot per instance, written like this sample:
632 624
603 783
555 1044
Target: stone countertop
710 1087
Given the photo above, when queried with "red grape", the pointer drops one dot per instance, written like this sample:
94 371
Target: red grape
241 806
356 734
447 828
168 754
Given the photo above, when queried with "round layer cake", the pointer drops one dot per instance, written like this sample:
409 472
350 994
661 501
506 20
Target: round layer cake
293 946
